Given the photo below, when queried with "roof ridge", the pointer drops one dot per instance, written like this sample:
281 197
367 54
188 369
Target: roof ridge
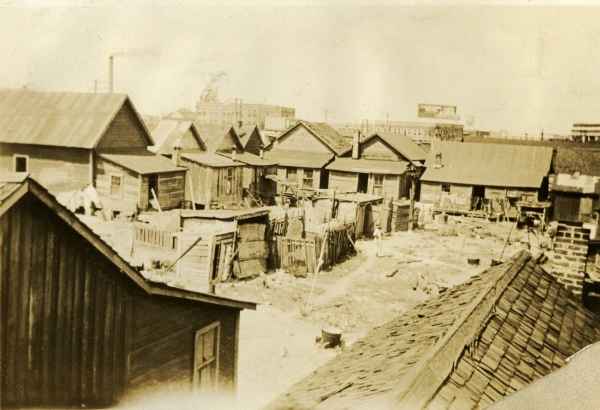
425 378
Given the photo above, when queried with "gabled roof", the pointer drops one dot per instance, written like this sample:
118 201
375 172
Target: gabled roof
219 138
13 187
374 166
169 131
63 119
298 159
400 144
474 344
324 132
140 161
499 165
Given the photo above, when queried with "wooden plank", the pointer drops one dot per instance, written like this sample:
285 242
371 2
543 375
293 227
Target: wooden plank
49 315
118 353
87 331
4 259
67 302
79 266
108 342
15 214
36 305
24 304
96 339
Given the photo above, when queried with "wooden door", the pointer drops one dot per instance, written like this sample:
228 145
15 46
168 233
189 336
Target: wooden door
206 358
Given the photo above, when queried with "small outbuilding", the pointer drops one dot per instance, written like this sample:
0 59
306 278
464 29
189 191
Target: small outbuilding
81 326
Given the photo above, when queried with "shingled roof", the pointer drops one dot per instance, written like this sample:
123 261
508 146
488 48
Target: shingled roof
401 144
498 165
474 344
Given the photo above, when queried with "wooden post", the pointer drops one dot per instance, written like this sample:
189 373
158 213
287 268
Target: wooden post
156 199
411 212
191 189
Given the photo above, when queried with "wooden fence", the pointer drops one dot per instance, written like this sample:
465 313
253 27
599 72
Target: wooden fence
301 256
155 237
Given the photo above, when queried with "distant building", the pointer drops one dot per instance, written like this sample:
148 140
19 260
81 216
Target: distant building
212 111
422 131
585 132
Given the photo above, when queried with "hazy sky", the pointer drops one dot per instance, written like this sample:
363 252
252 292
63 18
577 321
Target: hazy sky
515 68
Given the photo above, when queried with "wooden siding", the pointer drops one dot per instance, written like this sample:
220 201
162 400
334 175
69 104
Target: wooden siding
57 168
254 143
343 181
129 199
125 131
163 341
189 142
300 139
376 149
63 313
171 189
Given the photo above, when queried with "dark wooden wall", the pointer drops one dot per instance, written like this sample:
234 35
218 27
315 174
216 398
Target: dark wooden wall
75 330
162 350
125 131
63 313
130 198
171 189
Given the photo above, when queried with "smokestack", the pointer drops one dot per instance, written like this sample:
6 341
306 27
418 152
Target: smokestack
111 74
355 144
438 160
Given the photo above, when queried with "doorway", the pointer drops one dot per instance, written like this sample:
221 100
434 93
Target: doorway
153 189
324 179
477 198
363 183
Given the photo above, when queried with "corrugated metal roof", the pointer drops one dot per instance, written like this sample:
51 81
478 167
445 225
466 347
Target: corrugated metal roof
298 159
141 161
168 131
368 166
64 119
498 165
210 159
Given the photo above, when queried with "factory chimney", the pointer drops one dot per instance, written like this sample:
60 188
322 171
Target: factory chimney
111 73
355 144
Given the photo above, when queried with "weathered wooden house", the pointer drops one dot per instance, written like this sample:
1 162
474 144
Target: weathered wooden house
468 176
170 132
380 164
70 140
303 151
81 326
253 139
223 175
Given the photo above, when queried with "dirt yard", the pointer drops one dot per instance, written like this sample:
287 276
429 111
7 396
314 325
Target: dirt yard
277 341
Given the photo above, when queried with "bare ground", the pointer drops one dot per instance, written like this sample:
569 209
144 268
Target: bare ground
277 341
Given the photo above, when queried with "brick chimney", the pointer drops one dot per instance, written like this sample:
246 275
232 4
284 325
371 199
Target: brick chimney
356 145
571 245
176 152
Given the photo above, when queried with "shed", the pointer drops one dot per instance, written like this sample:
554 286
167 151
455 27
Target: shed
238 235
471 176
69 140
303 151
575 197
81 326
224 176
473 345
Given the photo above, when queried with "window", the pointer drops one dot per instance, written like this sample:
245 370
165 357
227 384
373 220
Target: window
378 184
21 163
291 174
446 188
206 358
116 182
307 179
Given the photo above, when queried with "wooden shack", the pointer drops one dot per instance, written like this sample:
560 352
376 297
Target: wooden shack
70 140
303 151
238 236
378 164
80 326
464 177
224 176
575 197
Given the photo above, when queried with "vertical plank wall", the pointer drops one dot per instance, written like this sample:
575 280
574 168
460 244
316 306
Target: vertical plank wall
63 313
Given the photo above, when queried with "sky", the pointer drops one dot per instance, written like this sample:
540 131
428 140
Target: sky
514 68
